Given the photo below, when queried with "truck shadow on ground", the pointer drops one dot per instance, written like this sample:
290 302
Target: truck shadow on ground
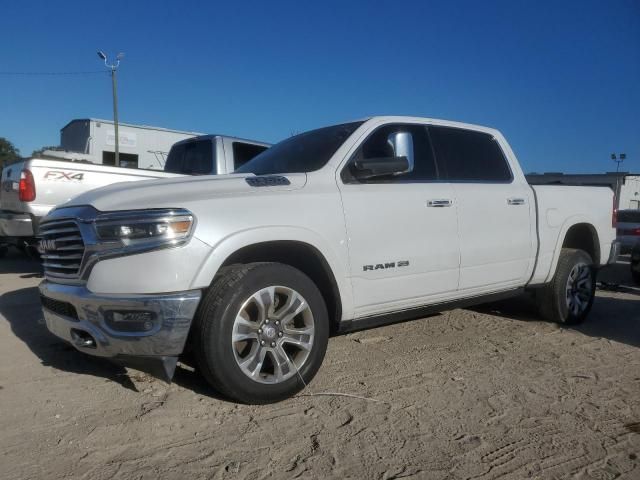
190 379
16 262
22 310
613 318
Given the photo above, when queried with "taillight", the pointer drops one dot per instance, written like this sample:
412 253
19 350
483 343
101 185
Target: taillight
635 232
27 187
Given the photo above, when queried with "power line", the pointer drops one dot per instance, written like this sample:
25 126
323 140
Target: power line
88 72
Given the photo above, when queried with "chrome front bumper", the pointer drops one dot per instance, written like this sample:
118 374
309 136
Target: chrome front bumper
15 224
144 331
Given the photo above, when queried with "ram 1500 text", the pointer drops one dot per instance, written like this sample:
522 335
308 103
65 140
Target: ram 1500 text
340 228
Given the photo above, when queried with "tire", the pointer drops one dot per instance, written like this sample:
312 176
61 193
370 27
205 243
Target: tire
259 328
568 298
636 277
3 251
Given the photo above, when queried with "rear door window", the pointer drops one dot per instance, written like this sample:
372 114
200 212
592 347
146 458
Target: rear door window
174 159
192 158
469 156
243 152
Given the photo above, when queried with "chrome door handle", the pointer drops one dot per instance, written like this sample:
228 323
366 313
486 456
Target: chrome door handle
515 201
439 203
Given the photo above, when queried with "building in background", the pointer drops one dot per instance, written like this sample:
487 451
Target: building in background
93 140
625 184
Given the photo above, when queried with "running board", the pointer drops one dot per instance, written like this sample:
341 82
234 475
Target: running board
364 323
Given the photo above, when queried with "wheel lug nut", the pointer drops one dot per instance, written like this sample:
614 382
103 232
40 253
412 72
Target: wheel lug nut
266 321
273 344
259 330
262 342
277 322
279 334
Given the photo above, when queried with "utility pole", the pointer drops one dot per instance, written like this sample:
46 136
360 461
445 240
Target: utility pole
618 159
114 84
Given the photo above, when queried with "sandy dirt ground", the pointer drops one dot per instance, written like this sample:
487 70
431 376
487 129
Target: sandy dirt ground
468 394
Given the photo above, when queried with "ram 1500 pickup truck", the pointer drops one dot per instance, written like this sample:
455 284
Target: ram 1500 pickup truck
32 187
340 228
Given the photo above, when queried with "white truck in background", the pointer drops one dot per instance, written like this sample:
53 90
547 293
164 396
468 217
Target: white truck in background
30 188
340 228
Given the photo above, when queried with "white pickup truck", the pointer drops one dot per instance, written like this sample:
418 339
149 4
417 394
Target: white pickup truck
29 189
340 228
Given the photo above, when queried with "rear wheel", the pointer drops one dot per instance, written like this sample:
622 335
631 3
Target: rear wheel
568 298
261 332
636 277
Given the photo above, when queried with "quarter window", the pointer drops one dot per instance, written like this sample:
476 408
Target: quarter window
469 156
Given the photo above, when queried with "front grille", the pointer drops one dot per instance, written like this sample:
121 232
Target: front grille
59 307
61 248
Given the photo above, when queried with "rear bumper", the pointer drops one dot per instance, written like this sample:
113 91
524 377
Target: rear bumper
627 242
144 331
635 259
15 224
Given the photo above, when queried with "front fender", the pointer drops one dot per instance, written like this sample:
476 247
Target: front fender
336 260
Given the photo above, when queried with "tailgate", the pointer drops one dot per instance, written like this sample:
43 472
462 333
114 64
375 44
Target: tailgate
9 188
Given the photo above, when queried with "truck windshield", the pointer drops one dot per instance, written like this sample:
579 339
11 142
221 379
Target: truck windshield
302 153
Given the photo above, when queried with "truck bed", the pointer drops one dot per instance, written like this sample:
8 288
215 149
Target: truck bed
58 181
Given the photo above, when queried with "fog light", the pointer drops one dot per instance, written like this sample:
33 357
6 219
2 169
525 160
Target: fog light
130 321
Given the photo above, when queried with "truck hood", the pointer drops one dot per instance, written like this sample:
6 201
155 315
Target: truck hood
180 192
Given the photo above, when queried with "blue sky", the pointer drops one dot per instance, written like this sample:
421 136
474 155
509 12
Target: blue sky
561 79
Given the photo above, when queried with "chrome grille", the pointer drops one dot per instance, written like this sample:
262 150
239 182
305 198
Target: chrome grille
61 247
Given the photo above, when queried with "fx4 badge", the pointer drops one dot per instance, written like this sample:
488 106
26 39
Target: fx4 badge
60 175
384 266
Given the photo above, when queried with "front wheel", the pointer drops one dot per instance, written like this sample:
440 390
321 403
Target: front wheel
568 298
261 332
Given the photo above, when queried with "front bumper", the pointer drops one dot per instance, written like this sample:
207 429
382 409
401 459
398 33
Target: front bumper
144 331
16 224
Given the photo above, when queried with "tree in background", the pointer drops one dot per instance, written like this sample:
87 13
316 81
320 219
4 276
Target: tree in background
8 152
37 153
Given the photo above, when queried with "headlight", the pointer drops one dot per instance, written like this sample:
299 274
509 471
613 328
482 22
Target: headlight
151 228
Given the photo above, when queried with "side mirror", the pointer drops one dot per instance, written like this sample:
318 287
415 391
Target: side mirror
380 167
402 145
401 162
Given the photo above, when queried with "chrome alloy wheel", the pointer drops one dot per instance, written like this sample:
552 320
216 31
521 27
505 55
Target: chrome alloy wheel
579 288
273 334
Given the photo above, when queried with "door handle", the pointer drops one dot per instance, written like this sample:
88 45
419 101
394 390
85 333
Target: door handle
515 201
441 202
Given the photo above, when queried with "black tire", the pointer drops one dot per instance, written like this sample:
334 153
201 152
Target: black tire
552 298
3 251
636 277
214 323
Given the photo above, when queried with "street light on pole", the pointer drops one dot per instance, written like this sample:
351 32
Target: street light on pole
618 159
114 67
